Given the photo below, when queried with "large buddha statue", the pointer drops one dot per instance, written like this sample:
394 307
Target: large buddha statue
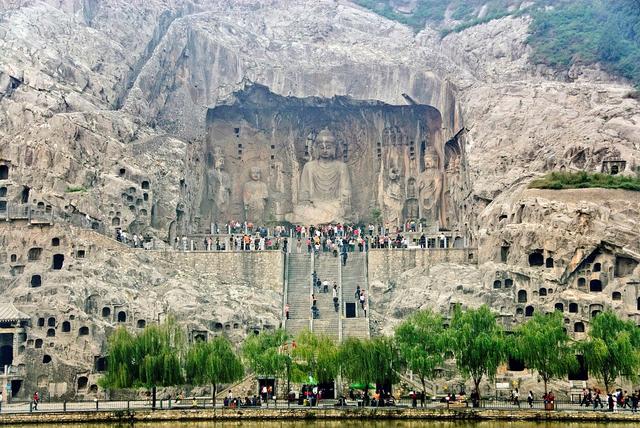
254 196
324 194
430 188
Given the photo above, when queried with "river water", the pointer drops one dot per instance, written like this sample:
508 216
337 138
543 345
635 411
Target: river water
351 424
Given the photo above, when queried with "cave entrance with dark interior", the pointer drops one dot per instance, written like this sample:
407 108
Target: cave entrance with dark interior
6 350
4 172
58 261
595 285
536 258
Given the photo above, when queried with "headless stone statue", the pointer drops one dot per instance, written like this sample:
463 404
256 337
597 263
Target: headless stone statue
254 197
393 197
219 184
325 185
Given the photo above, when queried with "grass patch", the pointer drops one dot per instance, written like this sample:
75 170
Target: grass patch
584 180
75 189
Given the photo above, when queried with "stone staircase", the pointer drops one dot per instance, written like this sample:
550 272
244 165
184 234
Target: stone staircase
298 293
354 274
328 269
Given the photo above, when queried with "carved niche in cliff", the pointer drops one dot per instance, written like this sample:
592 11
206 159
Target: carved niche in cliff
322 160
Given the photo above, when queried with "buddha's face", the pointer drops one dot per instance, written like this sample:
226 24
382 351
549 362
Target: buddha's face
218 162
255 174
430 161
326 148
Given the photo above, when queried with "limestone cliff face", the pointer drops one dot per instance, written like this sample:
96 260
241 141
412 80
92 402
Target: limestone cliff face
102 104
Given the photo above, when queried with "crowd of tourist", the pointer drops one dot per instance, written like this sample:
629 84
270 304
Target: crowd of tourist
337 239
617 400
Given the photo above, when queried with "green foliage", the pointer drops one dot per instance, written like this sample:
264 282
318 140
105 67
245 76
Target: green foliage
152 358
423 344
544 346
213 363
263 353
588 32
316 356
583 179
75 189
613 349
370 360
479 344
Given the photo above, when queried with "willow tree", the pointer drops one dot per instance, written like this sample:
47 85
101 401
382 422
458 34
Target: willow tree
479 344
263 353
316 356
543 345
150 359
370 361
612 349
213 363
423 344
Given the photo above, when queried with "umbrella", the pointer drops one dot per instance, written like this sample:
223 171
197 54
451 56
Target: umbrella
361 386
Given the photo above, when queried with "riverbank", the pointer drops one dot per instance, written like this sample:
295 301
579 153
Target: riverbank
225 414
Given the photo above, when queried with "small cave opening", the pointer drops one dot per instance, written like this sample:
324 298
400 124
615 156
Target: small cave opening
122 172
34 254
106 312
522 296
597 267
578 327
141 324
573 308
55 242
24 195
66 327
46 359
41 322
515 365
580 372
582 282
595 285
549 262
508 283
528 311
58 261
616 295
100 364
51 332
497 284
624 266
536 258
145 185
559 307
36 281
51 322
83 382
83 331
6 355
122 316
38 343
3 192
542 292
4 172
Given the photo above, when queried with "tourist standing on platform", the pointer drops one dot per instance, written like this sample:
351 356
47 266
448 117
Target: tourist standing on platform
286 311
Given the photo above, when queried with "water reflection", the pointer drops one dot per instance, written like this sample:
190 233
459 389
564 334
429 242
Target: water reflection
347 424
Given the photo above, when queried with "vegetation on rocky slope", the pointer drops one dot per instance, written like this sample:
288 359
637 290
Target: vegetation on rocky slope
563 33
583 180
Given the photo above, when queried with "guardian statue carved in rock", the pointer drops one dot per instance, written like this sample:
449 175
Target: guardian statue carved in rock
219 185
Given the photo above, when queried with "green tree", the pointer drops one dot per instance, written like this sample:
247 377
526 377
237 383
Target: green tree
316 356
370 361
264 354
423 344
612 349
544 346
479 344
213 363
150 359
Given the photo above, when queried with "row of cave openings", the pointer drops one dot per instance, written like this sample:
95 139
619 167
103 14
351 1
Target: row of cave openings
121 317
